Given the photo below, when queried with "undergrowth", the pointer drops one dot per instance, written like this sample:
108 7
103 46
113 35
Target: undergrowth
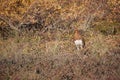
41 57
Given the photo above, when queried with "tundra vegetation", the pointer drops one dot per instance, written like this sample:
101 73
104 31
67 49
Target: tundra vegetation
36 40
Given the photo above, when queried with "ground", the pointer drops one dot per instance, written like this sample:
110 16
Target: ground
67 66
31 58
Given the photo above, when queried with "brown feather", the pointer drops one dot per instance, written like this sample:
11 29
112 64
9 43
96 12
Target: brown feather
77 35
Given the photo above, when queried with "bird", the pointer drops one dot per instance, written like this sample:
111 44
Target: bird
78 39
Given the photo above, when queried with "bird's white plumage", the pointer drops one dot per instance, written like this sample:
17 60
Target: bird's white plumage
78 42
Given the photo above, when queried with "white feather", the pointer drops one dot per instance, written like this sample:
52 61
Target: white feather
78 42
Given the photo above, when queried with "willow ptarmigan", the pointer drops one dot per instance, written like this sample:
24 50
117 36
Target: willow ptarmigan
78 40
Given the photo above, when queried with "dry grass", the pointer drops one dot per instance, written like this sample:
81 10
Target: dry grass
53 56
34 58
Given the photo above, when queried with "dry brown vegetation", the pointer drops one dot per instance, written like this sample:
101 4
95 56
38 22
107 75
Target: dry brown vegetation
36 40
